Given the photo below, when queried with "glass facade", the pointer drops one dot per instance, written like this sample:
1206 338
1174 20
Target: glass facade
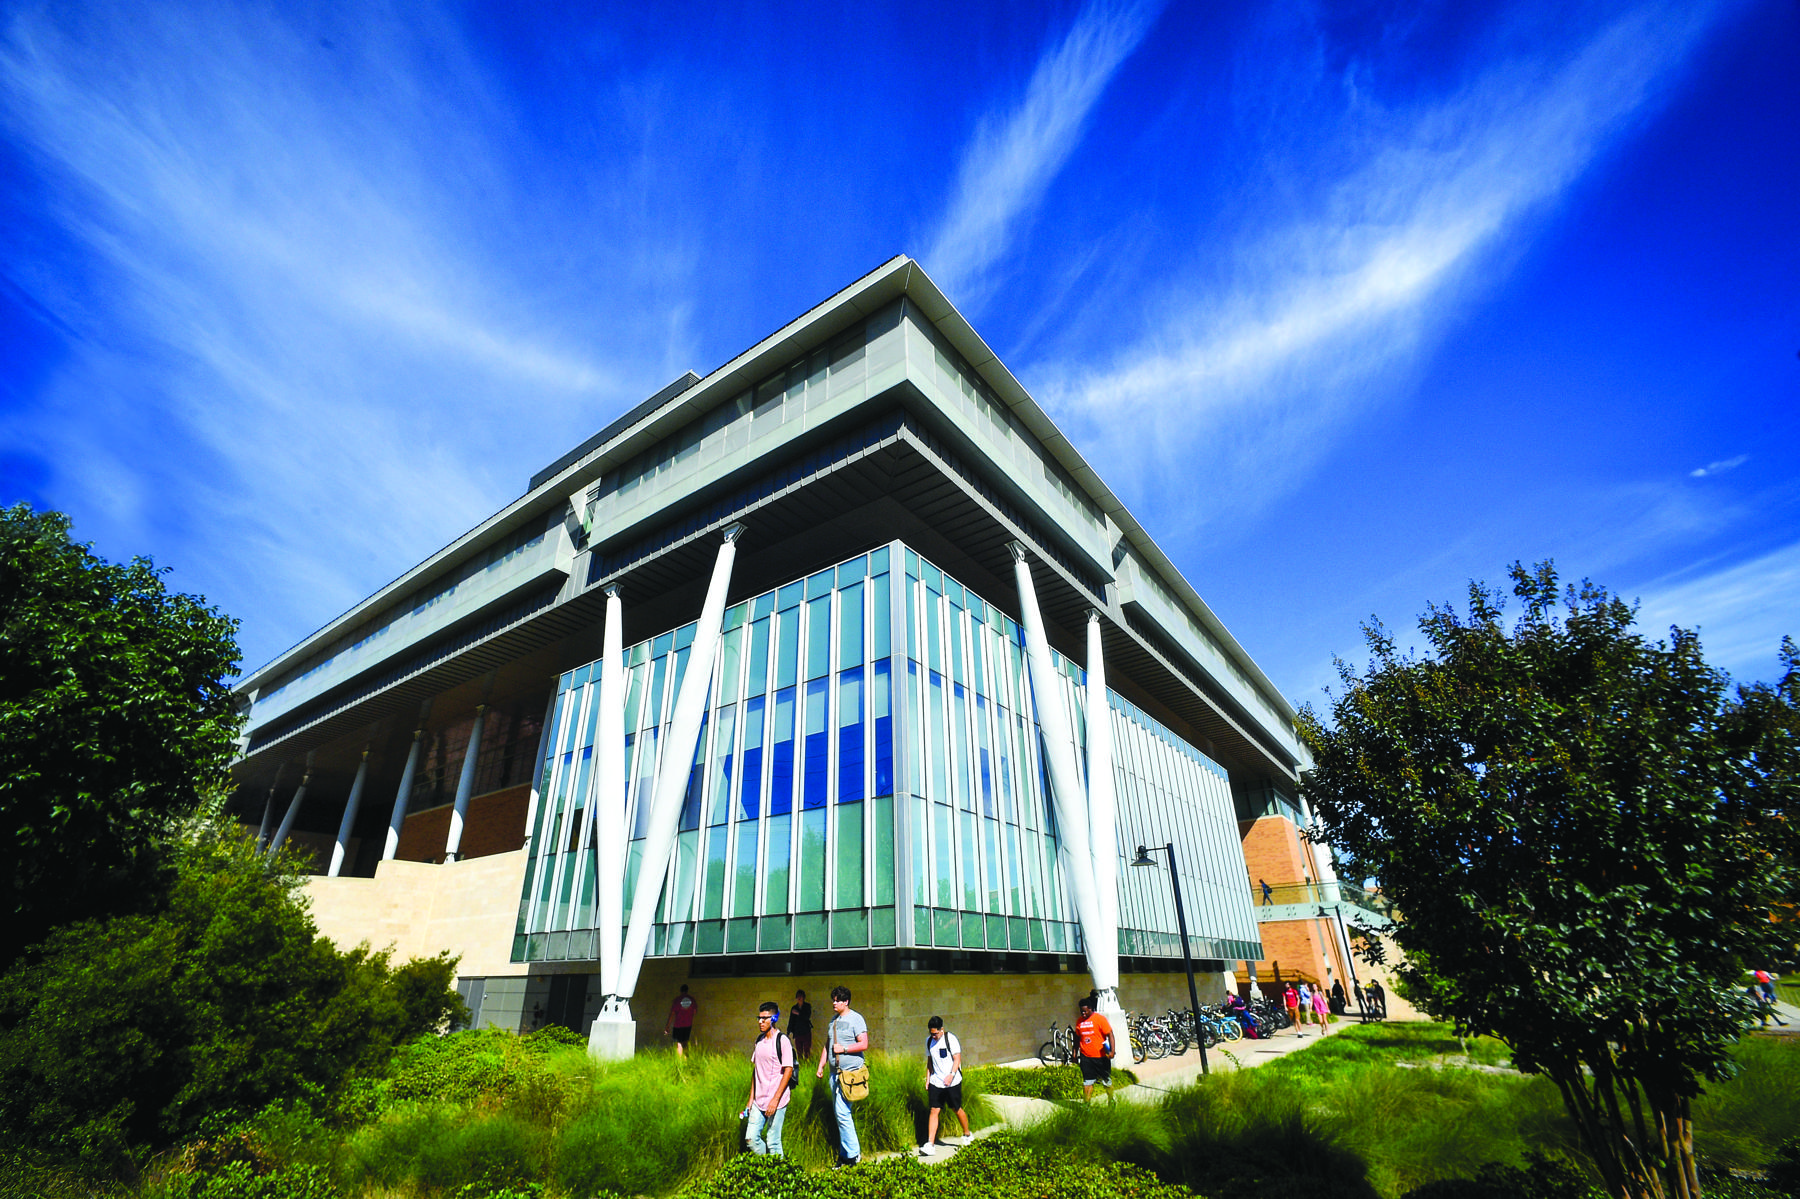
867 775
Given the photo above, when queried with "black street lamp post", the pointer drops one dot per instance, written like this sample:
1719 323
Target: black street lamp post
1187 956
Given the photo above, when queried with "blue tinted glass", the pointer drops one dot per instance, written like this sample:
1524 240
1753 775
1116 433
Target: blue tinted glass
789 596
762 605
820 584
775 884
851 571
749 793
983 765
850 736
850 626
881 707
758 678
878 561
787 648
781 759
690 802
818 696
818 636
882 596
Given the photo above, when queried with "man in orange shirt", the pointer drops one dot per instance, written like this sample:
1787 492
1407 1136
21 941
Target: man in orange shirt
1098 1046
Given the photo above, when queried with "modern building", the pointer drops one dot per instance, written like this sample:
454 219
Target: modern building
789 677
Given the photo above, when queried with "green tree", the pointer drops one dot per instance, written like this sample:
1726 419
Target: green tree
1587 838
129 1033
115 718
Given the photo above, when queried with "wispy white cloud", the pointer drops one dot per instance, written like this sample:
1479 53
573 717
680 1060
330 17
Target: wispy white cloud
1742 611
1015 154
1718 468
315 347
1231 392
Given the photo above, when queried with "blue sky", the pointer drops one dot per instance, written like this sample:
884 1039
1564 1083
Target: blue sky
1351 304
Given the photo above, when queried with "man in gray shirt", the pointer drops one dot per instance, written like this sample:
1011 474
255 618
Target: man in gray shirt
846 1040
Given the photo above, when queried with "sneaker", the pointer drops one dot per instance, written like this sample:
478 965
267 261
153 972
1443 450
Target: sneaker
927 1150
959 1142
847 1162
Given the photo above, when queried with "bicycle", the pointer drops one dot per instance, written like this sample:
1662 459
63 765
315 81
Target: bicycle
1059 1050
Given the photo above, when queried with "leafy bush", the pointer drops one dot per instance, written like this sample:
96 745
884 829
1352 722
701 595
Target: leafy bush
1784 1171
116 719
120 1036
1540 1178
239 1180
474 1066
997 1167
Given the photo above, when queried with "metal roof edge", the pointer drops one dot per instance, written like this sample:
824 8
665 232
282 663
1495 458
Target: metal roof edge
954 326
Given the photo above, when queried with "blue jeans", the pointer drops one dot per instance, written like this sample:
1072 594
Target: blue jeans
764 1133
846 1122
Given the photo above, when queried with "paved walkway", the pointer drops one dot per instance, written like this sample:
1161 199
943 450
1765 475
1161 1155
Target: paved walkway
1157 1078
1154 1080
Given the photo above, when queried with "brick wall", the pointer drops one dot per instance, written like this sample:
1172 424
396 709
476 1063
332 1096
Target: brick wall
495 824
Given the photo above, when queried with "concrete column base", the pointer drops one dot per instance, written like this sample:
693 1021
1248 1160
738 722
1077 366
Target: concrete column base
614 1037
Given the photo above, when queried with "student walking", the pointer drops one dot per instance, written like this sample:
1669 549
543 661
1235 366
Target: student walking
772 1064
1321 1007
943 1084
800 1024
680 1023
846 1041
1290 999
1097 1046
1378 996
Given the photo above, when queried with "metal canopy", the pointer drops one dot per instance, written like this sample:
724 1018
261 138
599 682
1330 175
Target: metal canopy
890 479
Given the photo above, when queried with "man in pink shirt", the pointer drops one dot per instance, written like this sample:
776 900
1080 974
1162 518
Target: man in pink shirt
680 1024
771 1080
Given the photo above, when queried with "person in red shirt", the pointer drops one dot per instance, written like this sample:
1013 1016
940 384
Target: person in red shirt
1098 1046
1290 999
680 1024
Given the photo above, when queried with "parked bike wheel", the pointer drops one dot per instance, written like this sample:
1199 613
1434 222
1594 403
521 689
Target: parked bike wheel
1051 1054
1137 1049
1156 1047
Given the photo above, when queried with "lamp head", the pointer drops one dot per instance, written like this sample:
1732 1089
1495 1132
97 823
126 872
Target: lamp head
1143 858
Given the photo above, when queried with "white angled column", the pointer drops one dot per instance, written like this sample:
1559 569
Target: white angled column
611 838
397 818
262 829
1067 793
293 810
342 847
672 771
465 786
1103 946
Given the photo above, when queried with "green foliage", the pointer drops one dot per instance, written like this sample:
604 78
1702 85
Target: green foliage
115 720
1740 1124
1540 1178
1784 1171
1059 1083
122 1035
477 1065
1585 837
239 1180
997 1167
1062 1084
